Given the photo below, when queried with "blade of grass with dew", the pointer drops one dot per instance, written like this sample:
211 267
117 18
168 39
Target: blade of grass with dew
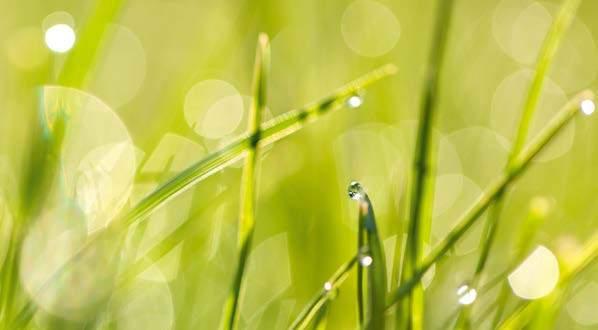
272 131
309 312
521 163
546 56
248 182
422 190
376 271
522 316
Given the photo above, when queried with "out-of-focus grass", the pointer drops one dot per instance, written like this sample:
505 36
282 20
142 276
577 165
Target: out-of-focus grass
153 54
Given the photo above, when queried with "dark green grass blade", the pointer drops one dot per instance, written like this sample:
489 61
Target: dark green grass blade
309 312
520 164
376 272
360 288
249 181
422 190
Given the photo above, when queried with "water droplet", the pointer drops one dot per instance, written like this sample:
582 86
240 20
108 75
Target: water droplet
60 38
588 107
356 191
366 261
466 294
354 101
327 286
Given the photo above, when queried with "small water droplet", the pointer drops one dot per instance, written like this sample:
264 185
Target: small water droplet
327 286
466 295
366 261
588 107
354 101
356 191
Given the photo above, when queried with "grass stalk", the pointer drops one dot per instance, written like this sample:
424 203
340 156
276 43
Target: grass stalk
520 164
422 191
249 181
546 56
315 305
376 271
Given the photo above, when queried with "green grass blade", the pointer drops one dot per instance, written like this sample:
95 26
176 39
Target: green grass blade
309 312
546 56
249 181
422 190
360 288
520 164
376 271
549 48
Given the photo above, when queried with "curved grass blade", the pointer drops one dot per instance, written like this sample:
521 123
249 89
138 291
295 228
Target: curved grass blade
249 181
520 164
545 59
271 131
309 312
376 267
422 191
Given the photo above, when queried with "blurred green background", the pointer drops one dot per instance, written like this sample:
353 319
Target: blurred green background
178 74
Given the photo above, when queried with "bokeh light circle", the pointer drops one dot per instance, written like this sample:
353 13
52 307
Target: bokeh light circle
370 28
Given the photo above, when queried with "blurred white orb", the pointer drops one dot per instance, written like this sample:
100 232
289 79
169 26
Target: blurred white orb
466 295
588 107
60 38
536 276
213 108
370 28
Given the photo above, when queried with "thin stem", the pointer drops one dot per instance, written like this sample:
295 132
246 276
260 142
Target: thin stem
422 192
311 309
248 182
520 164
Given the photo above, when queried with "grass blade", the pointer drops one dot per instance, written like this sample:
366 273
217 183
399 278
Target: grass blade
249 181
520 164
376 267
545 59
308 313
422 190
